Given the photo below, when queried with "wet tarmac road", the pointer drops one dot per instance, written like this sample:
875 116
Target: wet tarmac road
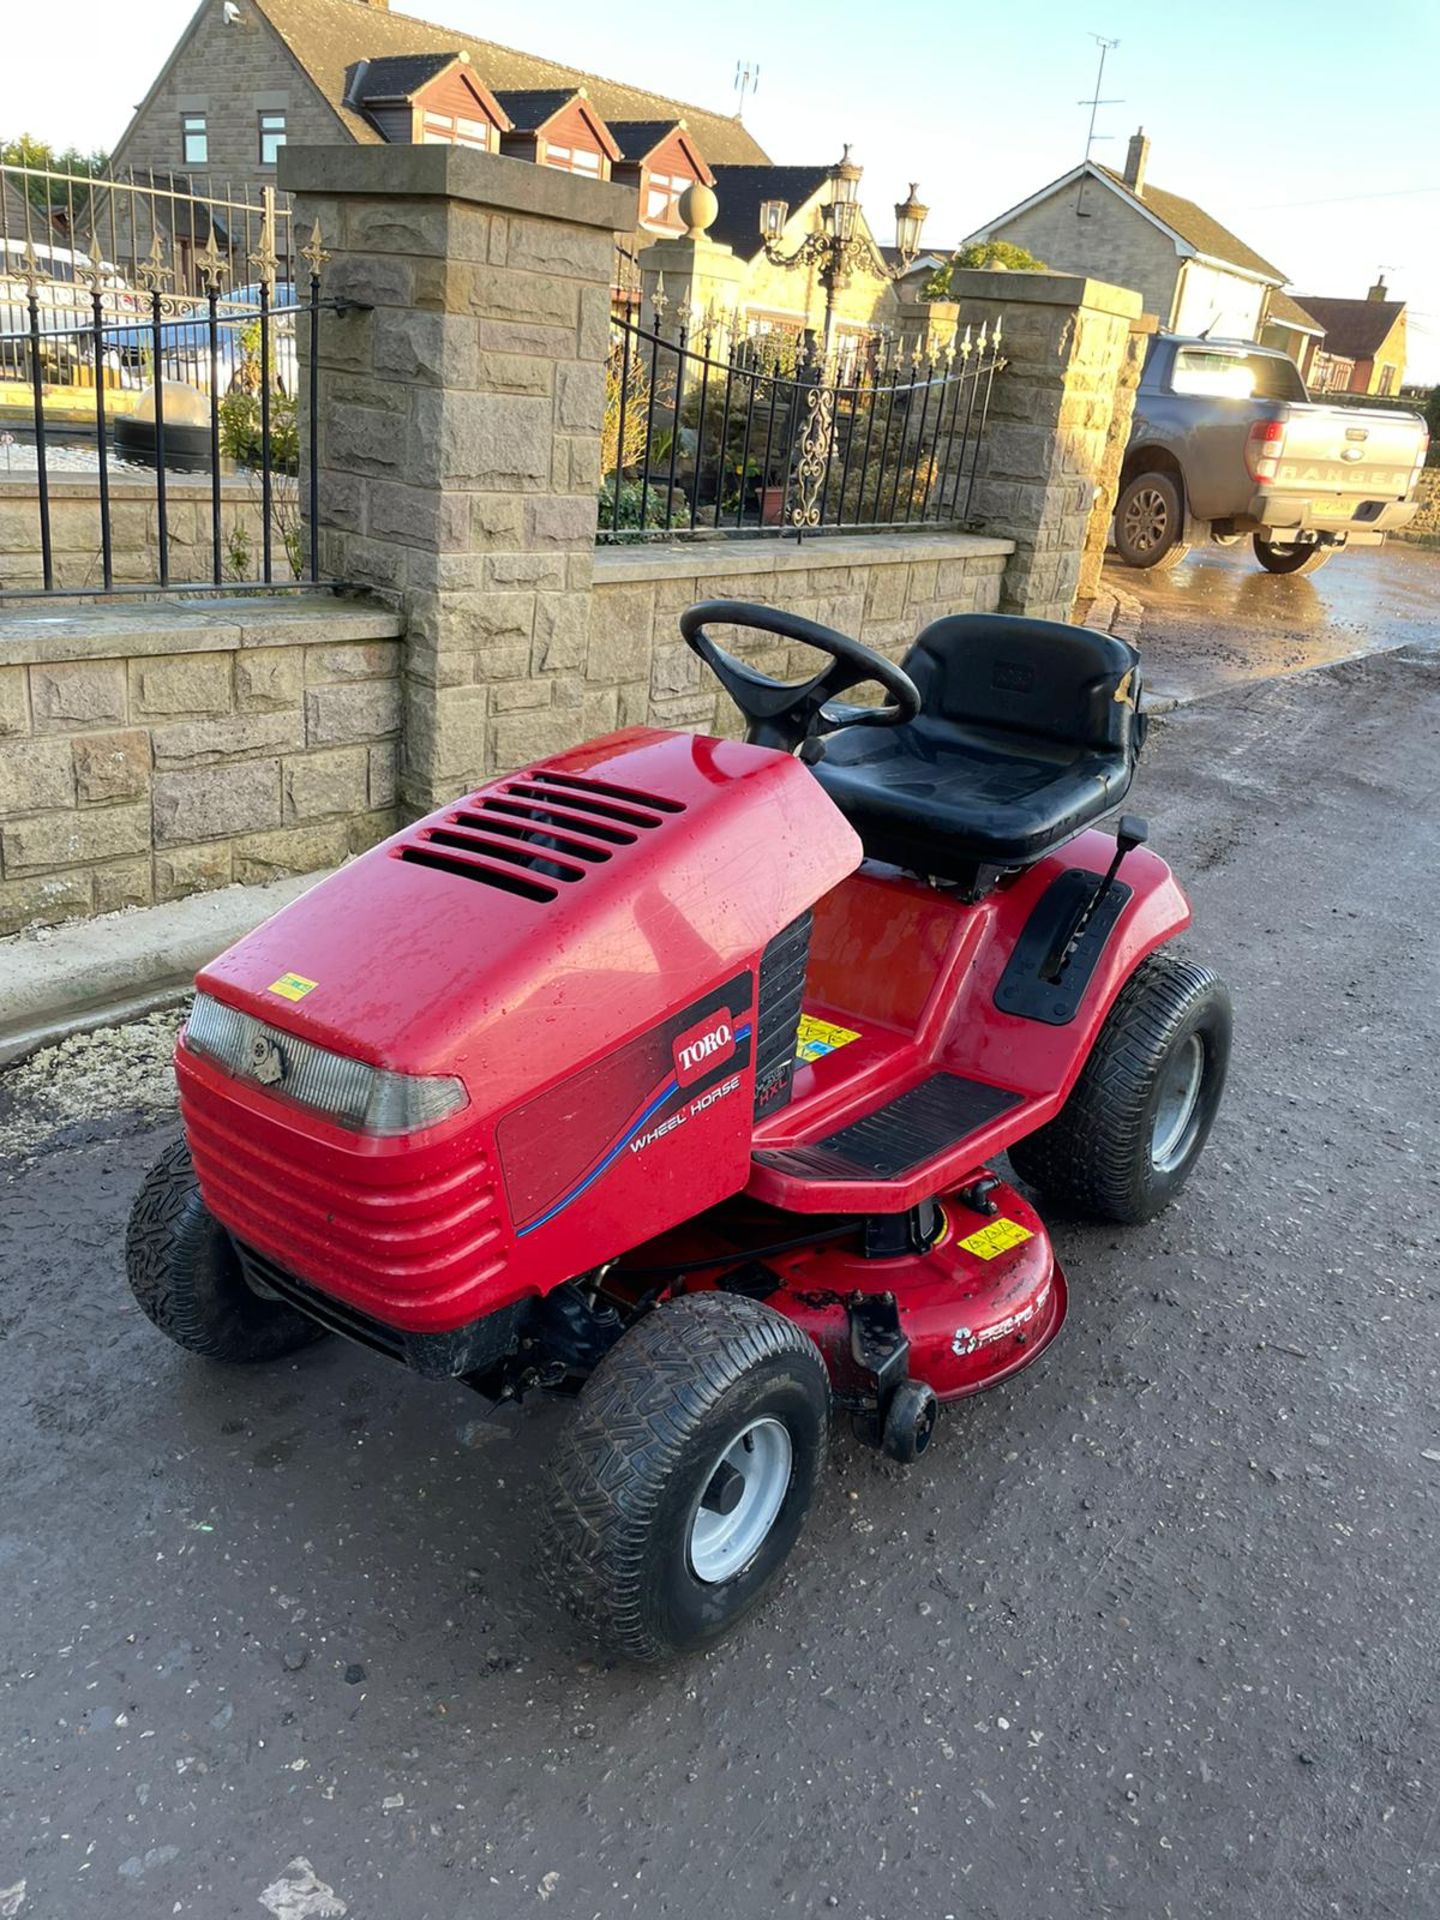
1220 620
1150 1633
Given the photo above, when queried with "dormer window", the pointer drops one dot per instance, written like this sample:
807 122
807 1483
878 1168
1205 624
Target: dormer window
661 159
662 198
455 130
558 128
427 100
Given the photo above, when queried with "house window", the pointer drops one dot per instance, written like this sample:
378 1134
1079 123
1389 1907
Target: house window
1387 378
272 137
662 193
573 160
448 130
196 139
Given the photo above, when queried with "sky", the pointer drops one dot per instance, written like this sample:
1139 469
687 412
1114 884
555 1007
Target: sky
1309 131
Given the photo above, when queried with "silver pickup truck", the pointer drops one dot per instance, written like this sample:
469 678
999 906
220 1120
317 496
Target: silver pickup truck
1226 443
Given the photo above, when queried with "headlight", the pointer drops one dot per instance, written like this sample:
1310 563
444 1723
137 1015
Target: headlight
352 1093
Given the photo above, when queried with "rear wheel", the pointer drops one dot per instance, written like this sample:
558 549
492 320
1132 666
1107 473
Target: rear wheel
683 1482
1140 1113
184 1272
1149 521
1292 559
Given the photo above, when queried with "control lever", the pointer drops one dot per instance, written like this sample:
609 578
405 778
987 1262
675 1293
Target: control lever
1132 832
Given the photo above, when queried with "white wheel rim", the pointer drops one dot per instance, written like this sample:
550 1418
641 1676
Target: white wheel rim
1176 1108
722 1543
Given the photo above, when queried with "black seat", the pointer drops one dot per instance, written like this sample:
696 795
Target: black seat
1028 733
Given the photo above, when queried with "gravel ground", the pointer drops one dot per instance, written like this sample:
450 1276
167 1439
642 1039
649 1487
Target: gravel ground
116 1069
1151 1632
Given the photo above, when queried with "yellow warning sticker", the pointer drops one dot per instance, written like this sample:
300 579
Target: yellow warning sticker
292 986
816 1038
996 1239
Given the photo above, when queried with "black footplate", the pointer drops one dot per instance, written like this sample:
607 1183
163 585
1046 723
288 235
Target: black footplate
1024 987
900 1136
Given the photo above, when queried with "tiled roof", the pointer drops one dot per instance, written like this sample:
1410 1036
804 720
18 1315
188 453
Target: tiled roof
1354 329
531 107
329 36
637 138
1287 311
741 190
397 76
1200 229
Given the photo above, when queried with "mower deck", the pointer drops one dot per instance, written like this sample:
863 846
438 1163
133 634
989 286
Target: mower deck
983 1300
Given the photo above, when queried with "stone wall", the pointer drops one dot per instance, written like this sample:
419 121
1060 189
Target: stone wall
149 752
881 588
1425 527
134 531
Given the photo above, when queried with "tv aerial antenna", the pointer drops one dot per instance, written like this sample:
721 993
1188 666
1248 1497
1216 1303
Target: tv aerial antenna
747 83
1106 47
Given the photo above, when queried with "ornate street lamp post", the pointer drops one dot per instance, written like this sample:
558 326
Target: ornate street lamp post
839 248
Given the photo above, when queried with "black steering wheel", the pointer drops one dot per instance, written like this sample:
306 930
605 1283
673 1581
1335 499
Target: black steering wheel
784 717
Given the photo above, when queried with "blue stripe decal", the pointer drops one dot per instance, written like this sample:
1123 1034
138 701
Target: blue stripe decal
667 1092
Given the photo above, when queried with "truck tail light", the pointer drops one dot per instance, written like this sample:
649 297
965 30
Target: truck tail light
1264 447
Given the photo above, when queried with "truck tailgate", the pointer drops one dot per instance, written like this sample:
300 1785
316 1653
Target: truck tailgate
1358 453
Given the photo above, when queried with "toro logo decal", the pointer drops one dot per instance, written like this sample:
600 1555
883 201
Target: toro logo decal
700 1048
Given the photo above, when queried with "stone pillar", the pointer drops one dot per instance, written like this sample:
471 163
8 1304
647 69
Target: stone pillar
459 436
1047 475
699 273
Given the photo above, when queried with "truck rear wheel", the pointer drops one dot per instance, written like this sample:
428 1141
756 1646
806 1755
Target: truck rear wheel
681 1485
1292 559
185 1274
1149 520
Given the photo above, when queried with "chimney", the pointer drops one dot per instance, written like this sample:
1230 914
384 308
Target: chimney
1379 291
1136 161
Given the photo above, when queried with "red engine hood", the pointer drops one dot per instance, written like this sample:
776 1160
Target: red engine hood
675 859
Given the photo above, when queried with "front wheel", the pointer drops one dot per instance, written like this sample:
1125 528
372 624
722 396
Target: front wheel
185 1274
1126 1139
1292 559
680 1487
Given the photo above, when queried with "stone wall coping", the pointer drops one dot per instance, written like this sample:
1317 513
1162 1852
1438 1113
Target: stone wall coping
712 557
985 284
186 487
492 180
32 635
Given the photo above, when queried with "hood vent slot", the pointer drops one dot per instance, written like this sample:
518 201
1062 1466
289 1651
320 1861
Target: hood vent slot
506 882
652 801
541 838
579 809
531 857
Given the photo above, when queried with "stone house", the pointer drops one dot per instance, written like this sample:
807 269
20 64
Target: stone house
1292 328
1191 271
249 76
1364 349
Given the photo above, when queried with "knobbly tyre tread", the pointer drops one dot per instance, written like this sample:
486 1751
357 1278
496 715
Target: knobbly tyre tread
1095 1154
187 1280
613 1464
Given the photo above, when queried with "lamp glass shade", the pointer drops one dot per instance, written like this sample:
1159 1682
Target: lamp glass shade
909 223
843 215
773 215
845 178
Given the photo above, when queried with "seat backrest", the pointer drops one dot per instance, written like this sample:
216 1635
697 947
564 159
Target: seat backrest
1036 677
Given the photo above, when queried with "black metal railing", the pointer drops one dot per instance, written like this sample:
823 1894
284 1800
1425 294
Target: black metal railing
167 372
772 435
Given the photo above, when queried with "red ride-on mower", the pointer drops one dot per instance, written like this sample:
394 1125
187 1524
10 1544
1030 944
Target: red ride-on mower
671 1072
